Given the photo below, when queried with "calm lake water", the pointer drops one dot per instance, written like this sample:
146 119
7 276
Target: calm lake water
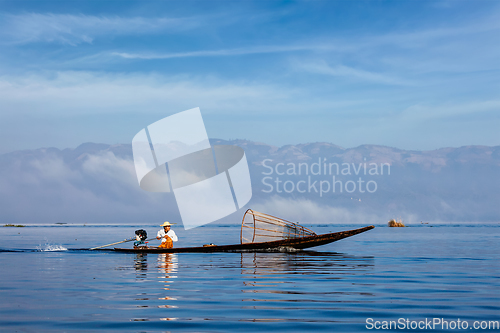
48 284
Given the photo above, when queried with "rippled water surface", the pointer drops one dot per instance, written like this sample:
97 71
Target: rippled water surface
50 283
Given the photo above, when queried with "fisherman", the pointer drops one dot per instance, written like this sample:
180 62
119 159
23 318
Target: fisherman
167 236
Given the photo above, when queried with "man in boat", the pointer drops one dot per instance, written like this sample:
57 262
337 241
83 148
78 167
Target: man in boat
167 236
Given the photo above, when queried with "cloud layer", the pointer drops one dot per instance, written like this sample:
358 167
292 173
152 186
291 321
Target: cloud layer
100 188
76 29
417 76
96 183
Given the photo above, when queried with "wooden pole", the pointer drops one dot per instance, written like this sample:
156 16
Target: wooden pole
126 240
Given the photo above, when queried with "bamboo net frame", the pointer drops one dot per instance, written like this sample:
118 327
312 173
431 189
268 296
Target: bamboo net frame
258 227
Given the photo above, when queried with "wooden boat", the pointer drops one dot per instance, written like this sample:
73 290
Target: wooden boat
283 245
263 233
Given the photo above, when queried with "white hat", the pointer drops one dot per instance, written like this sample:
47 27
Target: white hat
165 224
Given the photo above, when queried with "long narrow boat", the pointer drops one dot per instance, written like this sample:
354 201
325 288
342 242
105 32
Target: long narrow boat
283 245
262 233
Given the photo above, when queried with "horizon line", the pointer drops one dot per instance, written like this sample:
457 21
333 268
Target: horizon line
258 142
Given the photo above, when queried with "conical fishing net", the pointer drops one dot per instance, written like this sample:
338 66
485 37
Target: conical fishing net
259 227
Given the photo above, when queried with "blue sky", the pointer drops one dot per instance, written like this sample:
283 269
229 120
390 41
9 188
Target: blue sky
408 74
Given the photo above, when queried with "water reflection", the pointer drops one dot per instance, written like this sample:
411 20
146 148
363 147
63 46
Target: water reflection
275 281
167 267
141 265
305 262
264 287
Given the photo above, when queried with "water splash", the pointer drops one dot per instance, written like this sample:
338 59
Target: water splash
51 248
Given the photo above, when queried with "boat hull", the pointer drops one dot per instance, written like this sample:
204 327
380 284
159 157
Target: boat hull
285 245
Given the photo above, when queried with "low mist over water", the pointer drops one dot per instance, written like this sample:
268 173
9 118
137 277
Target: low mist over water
309 183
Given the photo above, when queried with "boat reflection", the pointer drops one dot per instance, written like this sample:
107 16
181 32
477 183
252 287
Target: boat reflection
279 282
167 269
141 265
303 262
269 274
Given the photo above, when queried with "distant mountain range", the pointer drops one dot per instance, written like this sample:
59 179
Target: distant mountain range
314 182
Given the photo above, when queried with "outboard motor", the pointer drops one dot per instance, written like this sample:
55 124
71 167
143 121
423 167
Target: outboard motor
140 235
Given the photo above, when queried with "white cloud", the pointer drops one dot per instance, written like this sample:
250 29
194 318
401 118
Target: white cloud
99 188
76 29
321 67
228 52
108 167
94 92
422 112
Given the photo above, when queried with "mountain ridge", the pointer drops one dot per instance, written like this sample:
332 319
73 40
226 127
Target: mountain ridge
97 182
